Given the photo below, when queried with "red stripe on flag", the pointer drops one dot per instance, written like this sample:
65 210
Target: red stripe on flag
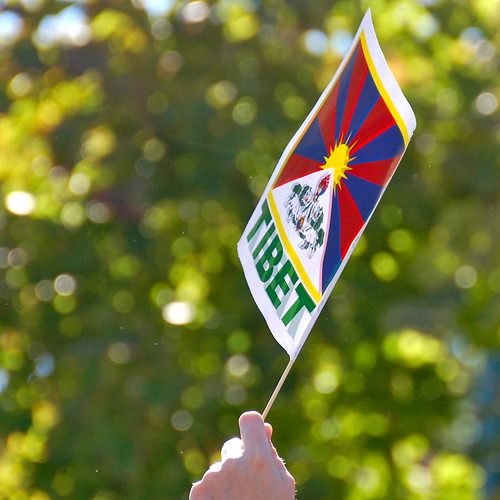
297 166
326 118
350 219
378 172
358 77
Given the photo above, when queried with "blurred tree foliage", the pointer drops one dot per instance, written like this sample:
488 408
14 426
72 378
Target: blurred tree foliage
135 139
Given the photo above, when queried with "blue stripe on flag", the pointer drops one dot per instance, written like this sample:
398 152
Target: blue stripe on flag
332 257
364 193
367 99
312 144
383 147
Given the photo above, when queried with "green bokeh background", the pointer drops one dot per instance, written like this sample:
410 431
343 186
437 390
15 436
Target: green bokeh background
135 141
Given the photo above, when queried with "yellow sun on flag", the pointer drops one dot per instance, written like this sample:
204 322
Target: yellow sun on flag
337 162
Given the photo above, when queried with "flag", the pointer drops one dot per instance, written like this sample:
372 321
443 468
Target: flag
324 190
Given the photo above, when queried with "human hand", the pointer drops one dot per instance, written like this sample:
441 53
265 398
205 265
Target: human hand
250 468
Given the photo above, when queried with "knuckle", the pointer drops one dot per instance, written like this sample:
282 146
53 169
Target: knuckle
259 461
229 465
196 492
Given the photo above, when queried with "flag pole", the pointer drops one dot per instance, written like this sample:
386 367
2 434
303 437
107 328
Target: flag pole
278 388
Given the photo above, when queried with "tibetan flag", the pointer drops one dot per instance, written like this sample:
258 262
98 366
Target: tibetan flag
324 190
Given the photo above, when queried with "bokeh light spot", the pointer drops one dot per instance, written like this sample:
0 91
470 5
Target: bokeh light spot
239 341
294 107
465 277
182 420
72 215
486 103
68 27
11 26
123 301
221 94
401 240
119 353
79 184
178 313
20 203
385 266
240 25
326 381
195 12
98 212
316 42
98 142
154 150
44 364
161 29
171 61
17 257
65 284
194 461
44 290
245 111
238 365
21 84
64 483
235 394
64 304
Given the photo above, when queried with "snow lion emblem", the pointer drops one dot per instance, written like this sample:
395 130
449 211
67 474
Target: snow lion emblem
306 215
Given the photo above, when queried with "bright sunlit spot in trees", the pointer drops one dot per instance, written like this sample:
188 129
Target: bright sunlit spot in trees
178 313
20 202
195 12
68 27
11 25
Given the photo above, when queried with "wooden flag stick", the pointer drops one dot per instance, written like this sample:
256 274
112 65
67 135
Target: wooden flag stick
278 388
